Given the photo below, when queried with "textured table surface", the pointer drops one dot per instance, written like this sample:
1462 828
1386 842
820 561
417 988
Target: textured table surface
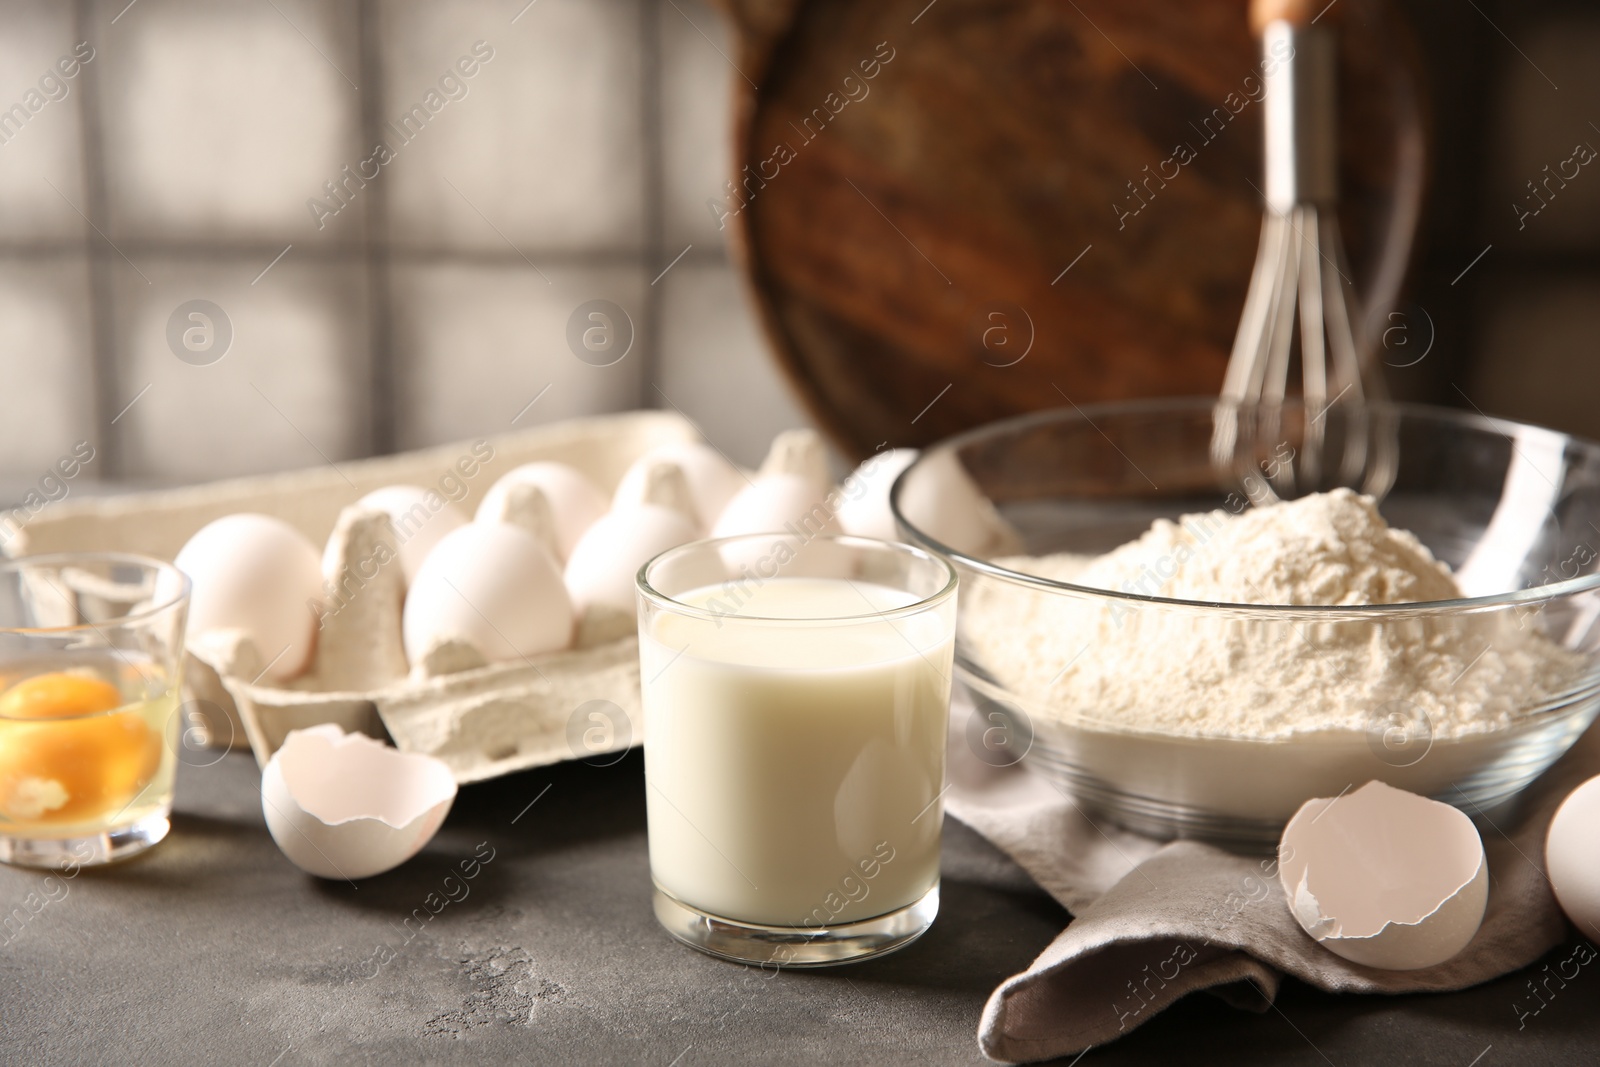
212 948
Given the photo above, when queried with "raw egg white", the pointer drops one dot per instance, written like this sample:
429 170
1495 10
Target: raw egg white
259 575
574 501
421 518
1572 857
494 586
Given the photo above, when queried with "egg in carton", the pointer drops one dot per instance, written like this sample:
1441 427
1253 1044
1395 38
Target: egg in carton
475 717
353 670
495 658
482 712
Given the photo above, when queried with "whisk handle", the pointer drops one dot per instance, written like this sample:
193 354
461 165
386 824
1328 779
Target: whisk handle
1297 13
1299 67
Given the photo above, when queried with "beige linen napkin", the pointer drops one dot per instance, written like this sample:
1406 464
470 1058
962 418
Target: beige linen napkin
1155 921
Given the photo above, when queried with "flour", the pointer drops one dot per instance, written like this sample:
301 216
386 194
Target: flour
1211 673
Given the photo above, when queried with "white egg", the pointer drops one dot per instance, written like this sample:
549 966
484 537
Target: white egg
346 806
492 585
602 568
941 500
802 452
421 518
1572 857
776 503
576 502
261 576
865 507
712 479
662 483
1385 878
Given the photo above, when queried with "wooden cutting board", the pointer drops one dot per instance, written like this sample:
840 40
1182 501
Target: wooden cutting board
956 211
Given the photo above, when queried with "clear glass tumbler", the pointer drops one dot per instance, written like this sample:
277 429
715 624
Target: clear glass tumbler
91 652
796 700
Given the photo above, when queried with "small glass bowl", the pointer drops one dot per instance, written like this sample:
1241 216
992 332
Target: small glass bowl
1513 509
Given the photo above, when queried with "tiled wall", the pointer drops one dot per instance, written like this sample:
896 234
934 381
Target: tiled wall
571 164
565 157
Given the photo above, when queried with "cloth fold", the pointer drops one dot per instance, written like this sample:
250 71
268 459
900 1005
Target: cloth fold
1154 922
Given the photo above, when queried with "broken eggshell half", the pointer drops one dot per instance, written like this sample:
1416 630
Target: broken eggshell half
347 806
1385 878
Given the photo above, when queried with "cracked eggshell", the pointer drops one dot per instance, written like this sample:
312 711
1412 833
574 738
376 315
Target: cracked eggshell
260 576
712 480
603 566
1385 878
346 806
494 586
574 499
1572 857
421 518
865 510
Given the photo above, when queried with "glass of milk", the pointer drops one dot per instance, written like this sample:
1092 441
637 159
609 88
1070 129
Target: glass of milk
796 698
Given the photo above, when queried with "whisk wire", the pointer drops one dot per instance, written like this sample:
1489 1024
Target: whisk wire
1300 302
1313 343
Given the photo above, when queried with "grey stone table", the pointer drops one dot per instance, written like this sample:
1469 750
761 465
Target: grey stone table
213 949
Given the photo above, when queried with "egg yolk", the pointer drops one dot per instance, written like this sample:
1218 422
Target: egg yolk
66 754
58 695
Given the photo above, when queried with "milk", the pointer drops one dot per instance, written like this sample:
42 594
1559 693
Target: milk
794 768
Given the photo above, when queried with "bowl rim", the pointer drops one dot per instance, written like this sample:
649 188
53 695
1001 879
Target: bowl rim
1534 595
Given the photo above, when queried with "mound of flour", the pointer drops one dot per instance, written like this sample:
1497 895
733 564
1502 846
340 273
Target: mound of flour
1208 673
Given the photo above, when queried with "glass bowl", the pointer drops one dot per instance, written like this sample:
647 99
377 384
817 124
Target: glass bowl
1215 720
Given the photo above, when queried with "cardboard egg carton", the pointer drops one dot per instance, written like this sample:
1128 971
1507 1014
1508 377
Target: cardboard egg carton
482 719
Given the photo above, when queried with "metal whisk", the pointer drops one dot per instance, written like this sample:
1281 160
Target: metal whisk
1300 273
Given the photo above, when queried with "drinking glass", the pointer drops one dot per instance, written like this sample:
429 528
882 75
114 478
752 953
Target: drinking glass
796 701
91 652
